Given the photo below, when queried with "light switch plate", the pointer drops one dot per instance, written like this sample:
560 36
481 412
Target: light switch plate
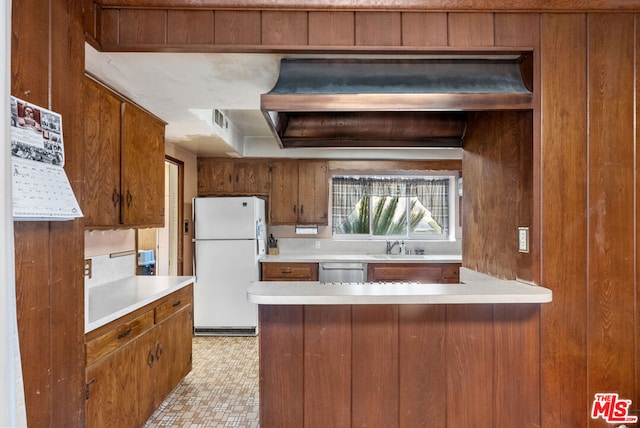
523 239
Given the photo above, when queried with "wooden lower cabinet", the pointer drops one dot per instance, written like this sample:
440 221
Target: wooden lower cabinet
426 273
111 386
126 386
289 271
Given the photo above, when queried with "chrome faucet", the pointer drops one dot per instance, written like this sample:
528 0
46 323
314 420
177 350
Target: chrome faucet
390 246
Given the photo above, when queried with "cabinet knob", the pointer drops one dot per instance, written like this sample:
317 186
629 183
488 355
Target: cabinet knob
129 199
150 358
302 209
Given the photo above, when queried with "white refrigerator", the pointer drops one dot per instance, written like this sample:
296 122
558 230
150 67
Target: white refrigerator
229 240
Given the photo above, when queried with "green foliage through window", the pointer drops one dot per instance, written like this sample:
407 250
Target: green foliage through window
401 213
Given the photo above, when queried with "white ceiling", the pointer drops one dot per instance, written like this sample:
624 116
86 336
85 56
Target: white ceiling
183 89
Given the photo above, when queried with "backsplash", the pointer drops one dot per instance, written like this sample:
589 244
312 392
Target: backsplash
331 246
107 269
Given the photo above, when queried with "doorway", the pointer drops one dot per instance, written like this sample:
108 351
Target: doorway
167 242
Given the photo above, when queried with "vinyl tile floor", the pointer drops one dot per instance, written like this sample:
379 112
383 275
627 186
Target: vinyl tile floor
220 391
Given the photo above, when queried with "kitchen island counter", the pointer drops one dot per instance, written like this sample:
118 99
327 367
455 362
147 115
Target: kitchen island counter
111 301
396 354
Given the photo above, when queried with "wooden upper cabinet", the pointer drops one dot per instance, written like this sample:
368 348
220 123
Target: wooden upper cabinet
313 192
142 167
232 177
102 155
297 189
299 192
215 176
283 198
251 177
124 162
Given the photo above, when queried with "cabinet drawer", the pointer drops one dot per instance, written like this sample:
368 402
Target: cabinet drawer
174 303
414 272
119 336
289 271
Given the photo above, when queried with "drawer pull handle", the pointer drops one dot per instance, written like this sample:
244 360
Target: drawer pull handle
286 272
176 304
125 334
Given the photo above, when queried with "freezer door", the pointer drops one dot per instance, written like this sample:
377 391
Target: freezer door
225 218
224 271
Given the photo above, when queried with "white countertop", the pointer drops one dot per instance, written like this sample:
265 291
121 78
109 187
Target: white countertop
477 289
112 300
368 258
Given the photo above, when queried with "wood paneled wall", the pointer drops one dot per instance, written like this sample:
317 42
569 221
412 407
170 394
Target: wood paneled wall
589 213
399 366
436 5
498 195
122 29
49 281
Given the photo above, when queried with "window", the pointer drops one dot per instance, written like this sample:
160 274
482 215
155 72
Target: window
385 206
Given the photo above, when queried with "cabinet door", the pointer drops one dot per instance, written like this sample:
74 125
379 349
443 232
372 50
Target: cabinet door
253 176
283 200
313 193
215 176
148 368
142 168
113 385
241 171
173 352
102 156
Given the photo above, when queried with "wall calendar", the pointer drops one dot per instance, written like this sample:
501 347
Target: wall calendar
40 187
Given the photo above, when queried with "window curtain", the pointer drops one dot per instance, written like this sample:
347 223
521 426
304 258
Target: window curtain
387 187
347 191
434 195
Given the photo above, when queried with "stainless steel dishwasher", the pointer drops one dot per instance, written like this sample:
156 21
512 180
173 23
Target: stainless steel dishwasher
336 272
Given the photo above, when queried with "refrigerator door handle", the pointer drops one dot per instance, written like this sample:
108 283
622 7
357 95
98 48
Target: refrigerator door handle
195 272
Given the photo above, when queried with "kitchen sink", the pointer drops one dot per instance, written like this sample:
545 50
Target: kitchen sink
395 256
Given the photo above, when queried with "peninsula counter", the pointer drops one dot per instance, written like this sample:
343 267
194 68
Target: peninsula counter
399 355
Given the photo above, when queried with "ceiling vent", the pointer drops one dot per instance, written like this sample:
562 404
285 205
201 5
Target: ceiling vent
390 102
